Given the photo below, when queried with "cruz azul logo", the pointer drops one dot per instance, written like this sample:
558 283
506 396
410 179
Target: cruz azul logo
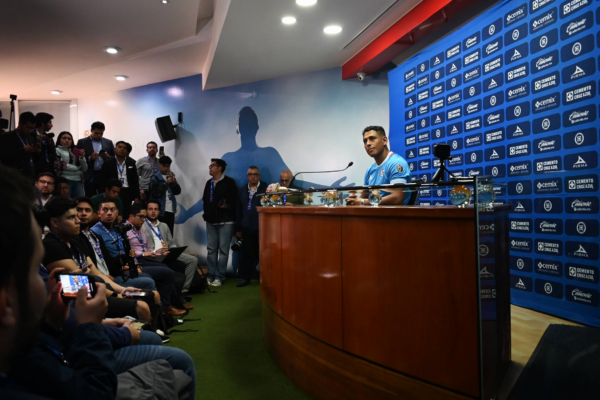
580 138
577 25
497 171
518 111
491 29
516 34
570 6
582 295
577 48
582 227
439 133
544 62
548 288
423 67
579 93
544 20
549 267
515 15
437 74
544 41
546 124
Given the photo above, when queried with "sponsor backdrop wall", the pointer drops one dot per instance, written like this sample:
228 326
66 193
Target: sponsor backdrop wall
307 122
515 94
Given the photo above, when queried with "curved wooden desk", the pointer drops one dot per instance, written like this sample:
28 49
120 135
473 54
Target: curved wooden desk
373 303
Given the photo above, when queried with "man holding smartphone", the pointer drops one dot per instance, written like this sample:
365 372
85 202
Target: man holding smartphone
164 188
18 148
98 149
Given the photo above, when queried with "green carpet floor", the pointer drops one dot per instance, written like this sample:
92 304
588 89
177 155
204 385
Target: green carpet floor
231 359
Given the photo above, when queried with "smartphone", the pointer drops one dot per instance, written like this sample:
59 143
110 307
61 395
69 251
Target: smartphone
102 151
161 150
128 293
76 152
71 283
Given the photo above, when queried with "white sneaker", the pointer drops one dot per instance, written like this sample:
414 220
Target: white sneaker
209 281
160 333
216 282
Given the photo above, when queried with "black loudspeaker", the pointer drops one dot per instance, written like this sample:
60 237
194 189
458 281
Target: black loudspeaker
165 129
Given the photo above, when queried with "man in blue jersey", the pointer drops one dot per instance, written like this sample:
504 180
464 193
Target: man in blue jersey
389 168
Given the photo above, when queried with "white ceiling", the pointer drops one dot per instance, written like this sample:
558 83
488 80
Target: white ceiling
58 44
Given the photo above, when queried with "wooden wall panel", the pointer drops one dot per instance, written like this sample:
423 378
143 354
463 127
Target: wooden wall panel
410 297
311 277
270 261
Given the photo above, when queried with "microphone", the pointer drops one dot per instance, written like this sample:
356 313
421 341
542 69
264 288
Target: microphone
351 163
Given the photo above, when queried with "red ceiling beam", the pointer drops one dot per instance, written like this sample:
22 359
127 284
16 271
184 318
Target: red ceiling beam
377 53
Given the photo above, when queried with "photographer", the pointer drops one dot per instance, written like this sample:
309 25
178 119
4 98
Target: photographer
72 163
220 197
18 148
44 160
247 224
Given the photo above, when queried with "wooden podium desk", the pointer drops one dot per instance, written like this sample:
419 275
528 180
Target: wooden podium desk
375 303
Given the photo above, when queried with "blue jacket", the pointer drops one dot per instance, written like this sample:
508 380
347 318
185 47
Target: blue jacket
158 191
247 220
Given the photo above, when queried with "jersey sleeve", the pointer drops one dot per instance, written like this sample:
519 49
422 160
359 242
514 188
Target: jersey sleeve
366 183
399 172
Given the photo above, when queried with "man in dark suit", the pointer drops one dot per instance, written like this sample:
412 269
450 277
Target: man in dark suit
44 160
122 168
247 224
97 150
18 148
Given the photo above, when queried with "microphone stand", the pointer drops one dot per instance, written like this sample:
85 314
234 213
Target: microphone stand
320 172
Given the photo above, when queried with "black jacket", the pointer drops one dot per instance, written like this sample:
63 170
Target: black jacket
13 154
109 170
227 190
247 220
112 263
40 163
89 374
86 144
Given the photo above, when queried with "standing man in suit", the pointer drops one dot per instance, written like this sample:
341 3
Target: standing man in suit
97 150
18 148
44 160
122 168
247 223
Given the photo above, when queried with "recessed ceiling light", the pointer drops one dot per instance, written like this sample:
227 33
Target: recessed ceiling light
289 20
165 1
56 92
332 29
112 50
306 3
121 77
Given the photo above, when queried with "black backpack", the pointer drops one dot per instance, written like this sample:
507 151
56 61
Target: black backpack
199 283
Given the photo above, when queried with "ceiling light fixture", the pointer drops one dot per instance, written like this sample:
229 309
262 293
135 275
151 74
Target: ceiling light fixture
56 92
288 20
306 3
121 77
165 1
112 50
332 29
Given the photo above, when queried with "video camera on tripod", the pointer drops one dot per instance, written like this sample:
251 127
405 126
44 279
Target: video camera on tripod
126 260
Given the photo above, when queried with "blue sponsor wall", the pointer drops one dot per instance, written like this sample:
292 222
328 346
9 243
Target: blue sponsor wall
515 94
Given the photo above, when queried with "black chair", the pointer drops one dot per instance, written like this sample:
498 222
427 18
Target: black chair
414 194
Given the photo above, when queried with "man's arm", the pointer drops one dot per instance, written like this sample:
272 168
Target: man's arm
169 241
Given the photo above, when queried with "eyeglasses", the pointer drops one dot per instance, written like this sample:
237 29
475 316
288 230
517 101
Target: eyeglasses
253 174
46 183
212 165
141 216
151 147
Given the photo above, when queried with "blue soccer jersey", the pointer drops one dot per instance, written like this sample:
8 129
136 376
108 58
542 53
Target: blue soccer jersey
394 169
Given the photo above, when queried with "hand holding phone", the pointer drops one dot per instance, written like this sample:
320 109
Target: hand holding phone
71 283
161 151
77 152
92 310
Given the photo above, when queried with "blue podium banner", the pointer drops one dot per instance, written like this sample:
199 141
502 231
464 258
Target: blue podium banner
515 93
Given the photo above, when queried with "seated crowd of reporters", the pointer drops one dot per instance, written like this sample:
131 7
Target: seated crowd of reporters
88 348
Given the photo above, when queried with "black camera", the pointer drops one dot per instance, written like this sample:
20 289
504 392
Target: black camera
237 245
49 135
121 228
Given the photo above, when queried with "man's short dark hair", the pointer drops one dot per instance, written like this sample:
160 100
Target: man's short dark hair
17 241
84 199
98 125
119 142
58 206
220 163
104 200
113 182
26 117
375 128
135 209
43 118
48 174
149 143
165 160
152 201
253 167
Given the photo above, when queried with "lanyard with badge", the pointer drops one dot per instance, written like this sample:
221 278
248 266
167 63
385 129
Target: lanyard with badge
94 242
116 241
158 234
27 144
139 238
121 170
251 194
79 261
153 165
212 188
